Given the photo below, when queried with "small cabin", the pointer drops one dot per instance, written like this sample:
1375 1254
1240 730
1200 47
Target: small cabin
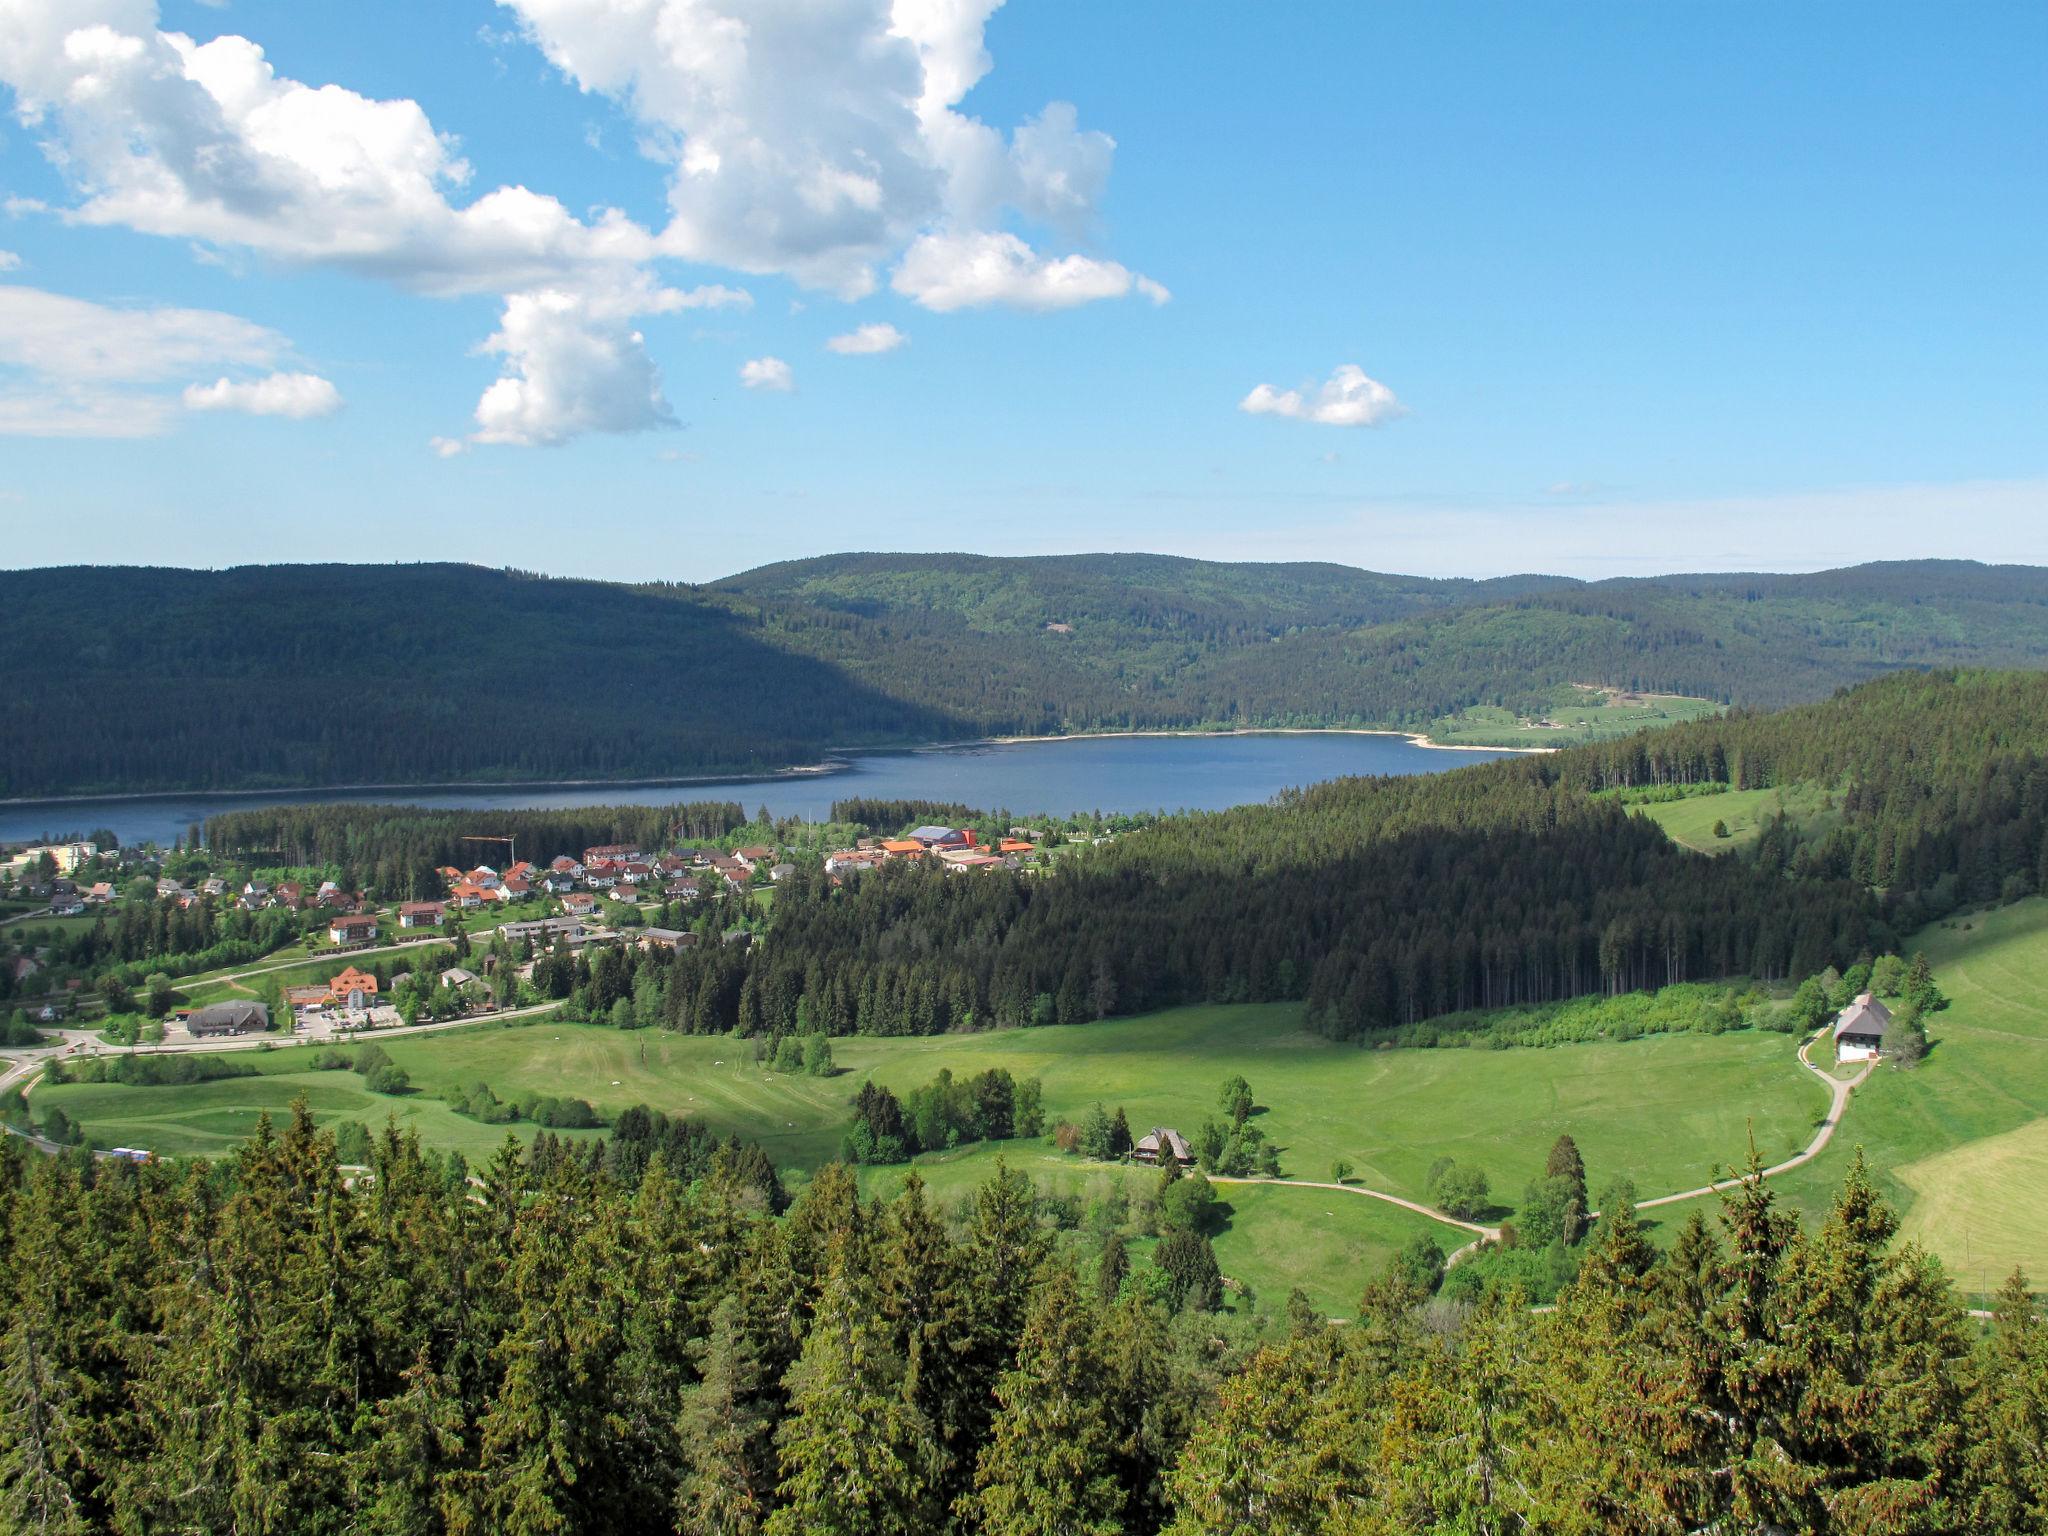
1860 1029
1161 1143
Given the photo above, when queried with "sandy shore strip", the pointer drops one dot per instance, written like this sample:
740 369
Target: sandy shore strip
1242 730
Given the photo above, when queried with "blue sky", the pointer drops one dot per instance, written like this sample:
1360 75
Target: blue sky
1599 289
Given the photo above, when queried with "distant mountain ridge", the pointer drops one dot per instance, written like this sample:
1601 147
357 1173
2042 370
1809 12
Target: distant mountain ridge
131 678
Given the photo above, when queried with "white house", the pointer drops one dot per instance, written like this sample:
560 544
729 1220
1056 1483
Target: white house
1860 1029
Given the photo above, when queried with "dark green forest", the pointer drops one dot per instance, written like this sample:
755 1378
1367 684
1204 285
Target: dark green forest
1385 902
615 1343
280 676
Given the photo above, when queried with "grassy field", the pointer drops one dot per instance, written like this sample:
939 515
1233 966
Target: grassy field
211 1119
1691 822
1959 1143
1575 715
1663 1111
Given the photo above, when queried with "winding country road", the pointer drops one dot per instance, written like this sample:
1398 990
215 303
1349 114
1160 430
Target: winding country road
1839 1090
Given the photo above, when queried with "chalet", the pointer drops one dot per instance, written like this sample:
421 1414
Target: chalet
600 877
633 871
1161 1142
291 893
352 930
467 896
421 914
214 886
101 893
484 876
1860 1029
449 873
514 890
67 904
846 861
166 886
681 890
237 1018
258 889
579 904
523 870
748 857
456 976
942 837
958 860
1016 845
562 864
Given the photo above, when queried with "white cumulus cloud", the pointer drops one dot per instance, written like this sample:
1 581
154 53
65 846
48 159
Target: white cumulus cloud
73 368
300 396
1348 398
968 270
9 260
866 340
447 447
768 373
820 140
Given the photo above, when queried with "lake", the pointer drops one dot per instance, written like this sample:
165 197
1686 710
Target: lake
1086 773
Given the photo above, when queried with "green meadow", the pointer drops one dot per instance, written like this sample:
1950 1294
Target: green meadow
1574 715
1960 1143
1664 1112
1743 811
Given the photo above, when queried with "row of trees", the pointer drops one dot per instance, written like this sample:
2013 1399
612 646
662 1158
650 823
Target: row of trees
946 1112
575 1346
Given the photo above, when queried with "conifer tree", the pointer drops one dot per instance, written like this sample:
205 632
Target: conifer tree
856 1455
1285 1450
1048 1466
1111 1268
725 1434
1566 1164
2009 1412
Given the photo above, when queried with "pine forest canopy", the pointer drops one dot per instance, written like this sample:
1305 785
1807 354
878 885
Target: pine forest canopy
302 676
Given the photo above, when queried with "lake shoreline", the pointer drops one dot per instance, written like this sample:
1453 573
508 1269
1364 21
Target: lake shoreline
1413 737
832 765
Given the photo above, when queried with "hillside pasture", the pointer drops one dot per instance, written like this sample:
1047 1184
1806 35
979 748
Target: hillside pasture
1690 822
1663 1111
1960 1143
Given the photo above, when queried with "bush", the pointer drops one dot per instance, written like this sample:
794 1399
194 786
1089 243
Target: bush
1458 1190
387 1078
171 1070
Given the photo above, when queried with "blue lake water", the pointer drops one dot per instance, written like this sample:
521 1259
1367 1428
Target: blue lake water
1100 773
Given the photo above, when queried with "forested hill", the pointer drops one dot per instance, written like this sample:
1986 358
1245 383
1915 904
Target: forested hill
1384 903
307 675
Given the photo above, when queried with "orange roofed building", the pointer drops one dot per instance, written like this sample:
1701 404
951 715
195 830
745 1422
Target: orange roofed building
352 980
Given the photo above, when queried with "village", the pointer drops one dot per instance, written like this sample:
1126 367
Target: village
481 919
